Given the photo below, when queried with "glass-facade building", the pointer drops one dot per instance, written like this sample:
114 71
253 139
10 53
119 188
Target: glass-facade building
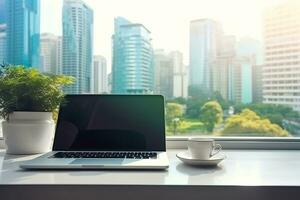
23 32
205 41
2 43
77 45
50 58
3 40
2 11
132 63
249 52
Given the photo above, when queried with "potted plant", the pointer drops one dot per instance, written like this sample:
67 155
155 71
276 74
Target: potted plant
28 100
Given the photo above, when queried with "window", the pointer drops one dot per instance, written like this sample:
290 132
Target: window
226 68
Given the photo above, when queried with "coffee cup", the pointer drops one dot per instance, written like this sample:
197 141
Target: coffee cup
203 148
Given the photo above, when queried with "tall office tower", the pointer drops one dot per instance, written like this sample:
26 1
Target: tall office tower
233 69
180 75
243 80
23 32
170 74
234 79
205 39
59 54
224 78
250 50
164 73
2 12
50 54
109 83
78 45
100 75
3 39
281 70
3 43
132 64
257 89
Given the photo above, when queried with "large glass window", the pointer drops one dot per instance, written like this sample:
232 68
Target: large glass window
225 68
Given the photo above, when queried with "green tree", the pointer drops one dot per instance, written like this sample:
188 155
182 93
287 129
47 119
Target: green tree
275 113
179 100
195 91
211 113
173 110
249 123
192 107
216 96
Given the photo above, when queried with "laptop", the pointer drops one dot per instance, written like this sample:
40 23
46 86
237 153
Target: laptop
107 132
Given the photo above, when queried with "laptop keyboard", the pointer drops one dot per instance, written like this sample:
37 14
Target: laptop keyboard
129 155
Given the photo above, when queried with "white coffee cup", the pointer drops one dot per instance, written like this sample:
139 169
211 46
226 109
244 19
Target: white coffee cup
203 148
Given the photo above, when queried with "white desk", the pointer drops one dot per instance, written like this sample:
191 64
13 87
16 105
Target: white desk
244 174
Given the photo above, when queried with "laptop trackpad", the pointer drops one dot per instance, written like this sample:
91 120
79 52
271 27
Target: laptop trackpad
95 161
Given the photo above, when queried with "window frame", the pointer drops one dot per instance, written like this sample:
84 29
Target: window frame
237 143
241 143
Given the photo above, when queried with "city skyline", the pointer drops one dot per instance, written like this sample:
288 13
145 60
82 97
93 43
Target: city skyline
189 65
242 19
212 53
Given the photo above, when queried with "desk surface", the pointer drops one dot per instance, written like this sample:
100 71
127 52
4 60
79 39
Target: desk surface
241 168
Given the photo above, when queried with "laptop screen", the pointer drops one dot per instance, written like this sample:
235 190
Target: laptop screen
111 123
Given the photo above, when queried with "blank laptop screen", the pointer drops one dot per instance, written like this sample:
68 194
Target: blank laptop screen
111 123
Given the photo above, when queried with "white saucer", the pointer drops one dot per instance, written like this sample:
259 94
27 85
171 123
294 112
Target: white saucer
186 158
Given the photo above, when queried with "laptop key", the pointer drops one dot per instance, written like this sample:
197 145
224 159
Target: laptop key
129 155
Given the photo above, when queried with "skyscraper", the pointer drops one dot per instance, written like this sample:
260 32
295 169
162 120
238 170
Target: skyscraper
180 75
233 69
3 38
3 58
281 70
2 12
250 51
170 74
23 32
50 54
59 54
100 75
109 83
132 64
257 87
243 80
164 70
205 38
224 67
77 45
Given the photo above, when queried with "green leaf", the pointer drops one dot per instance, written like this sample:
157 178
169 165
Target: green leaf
26 89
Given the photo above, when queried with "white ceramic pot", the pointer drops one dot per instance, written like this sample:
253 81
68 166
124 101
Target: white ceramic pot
28 132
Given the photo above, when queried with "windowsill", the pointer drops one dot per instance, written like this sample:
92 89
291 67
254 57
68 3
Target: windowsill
262 173
241 167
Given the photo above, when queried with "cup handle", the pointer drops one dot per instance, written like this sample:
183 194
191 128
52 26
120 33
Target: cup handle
216 149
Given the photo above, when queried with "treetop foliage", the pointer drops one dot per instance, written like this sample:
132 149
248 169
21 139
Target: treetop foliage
249 123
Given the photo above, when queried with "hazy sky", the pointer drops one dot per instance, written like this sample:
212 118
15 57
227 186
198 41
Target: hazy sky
168 20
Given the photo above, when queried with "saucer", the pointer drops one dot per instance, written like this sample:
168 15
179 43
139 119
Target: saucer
186 158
